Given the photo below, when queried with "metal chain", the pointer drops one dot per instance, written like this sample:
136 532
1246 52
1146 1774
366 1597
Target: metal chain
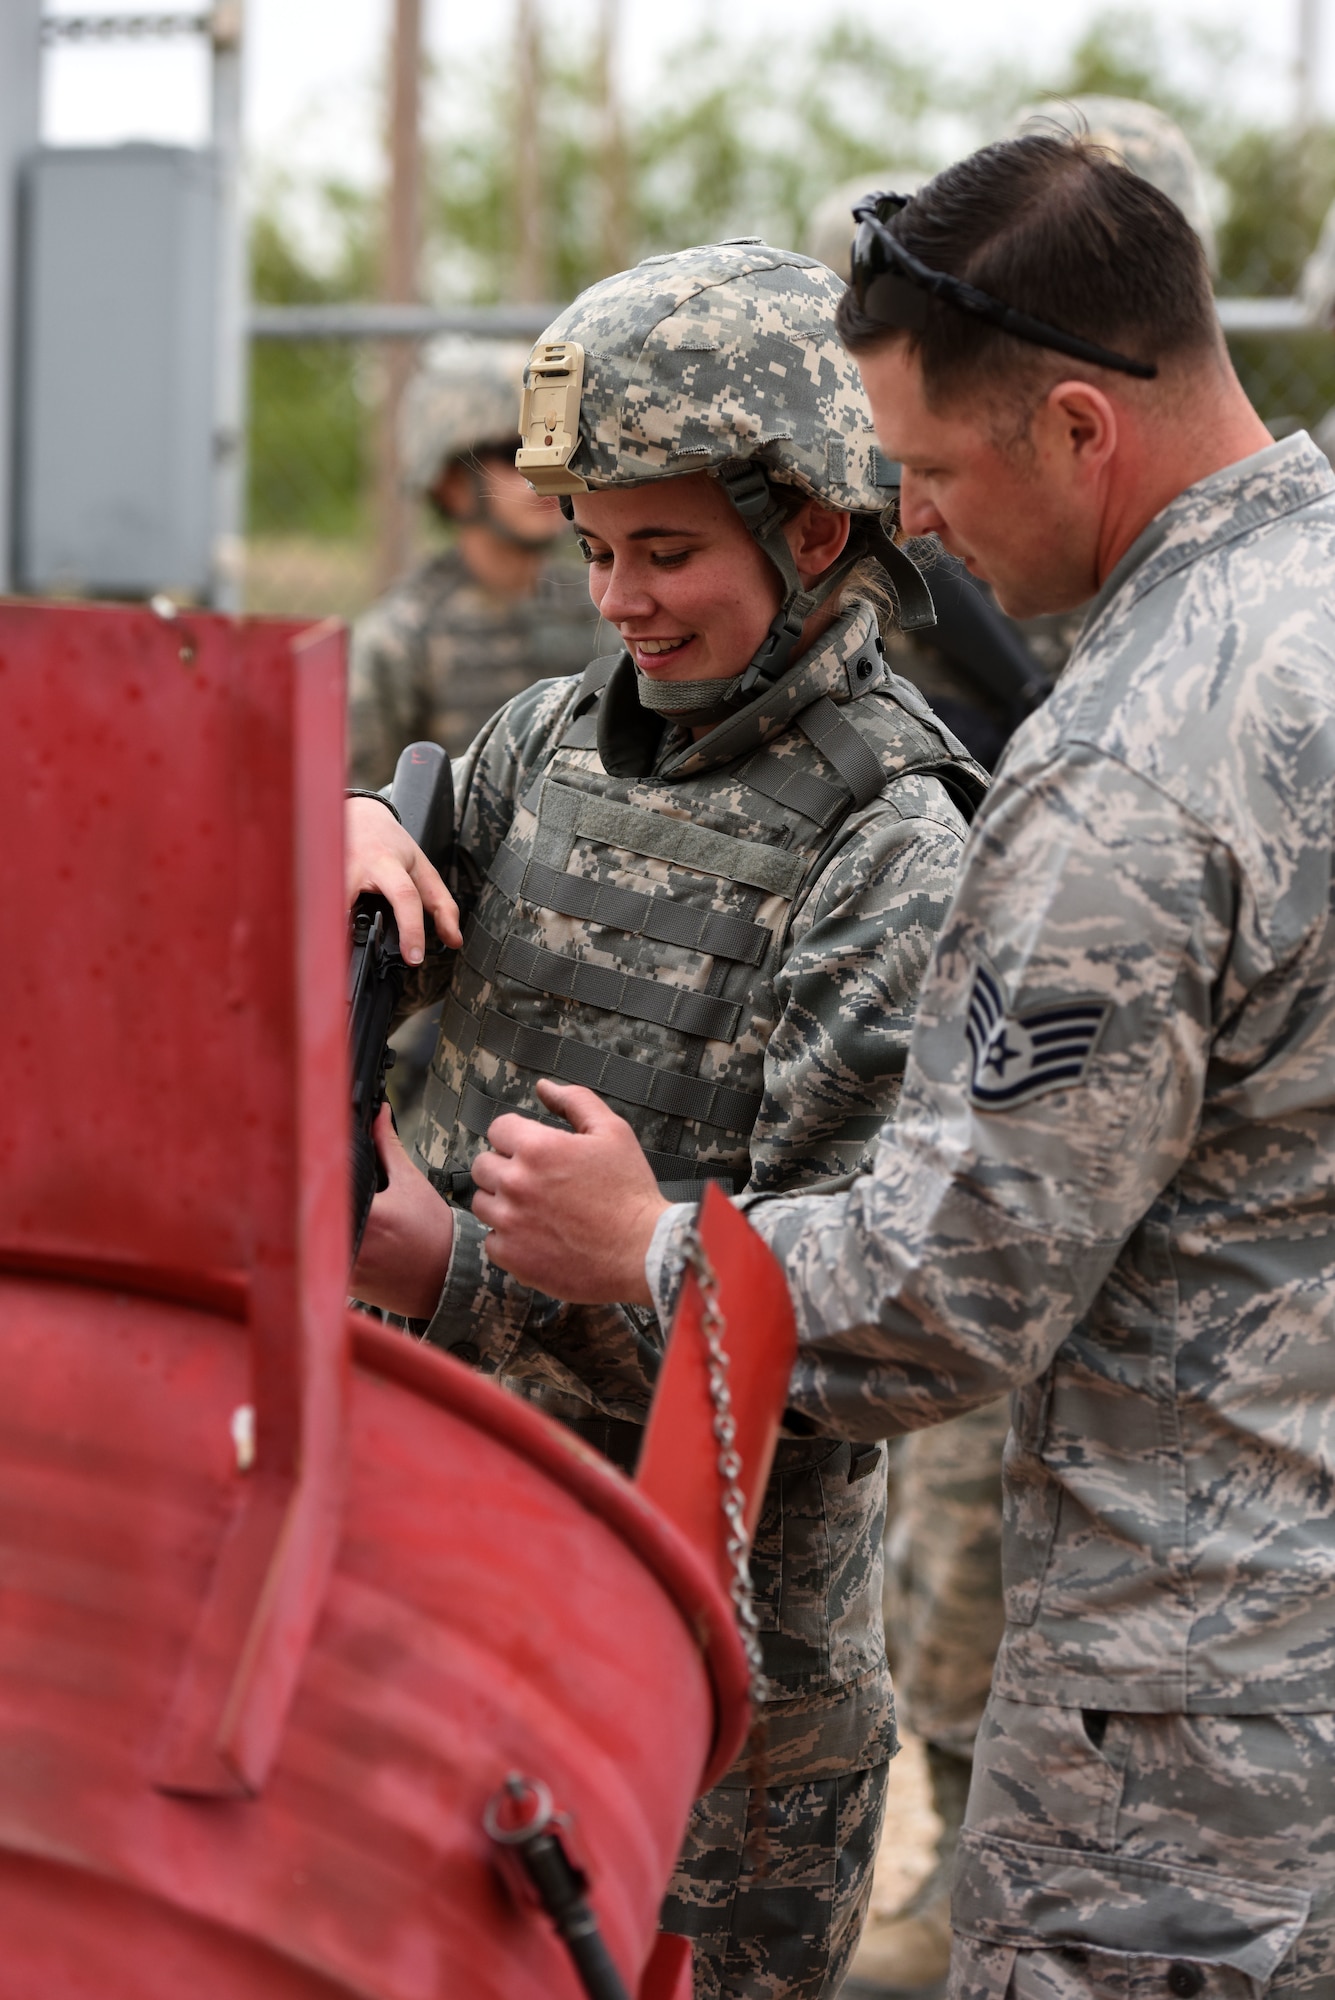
729 1463
123 27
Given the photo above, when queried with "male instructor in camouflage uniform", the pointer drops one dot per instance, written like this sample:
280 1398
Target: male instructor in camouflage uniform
1110 1182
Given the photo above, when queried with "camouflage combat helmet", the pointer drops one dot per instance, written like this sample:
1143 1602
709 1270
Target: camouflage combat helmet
1143 138
721 359
463 398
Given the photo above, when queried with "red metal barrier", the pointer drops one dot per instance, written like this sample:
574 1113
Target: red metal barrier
252 1707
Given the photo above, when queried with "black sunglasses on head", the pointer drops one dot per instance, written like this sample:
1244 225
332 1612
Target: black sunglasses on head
893 286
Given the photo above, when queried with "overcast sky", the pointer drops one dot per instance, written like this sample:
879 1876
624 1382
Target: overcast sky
312 65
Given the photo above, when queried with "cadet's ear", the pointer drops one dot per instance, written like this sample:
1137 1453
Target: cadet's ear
817 536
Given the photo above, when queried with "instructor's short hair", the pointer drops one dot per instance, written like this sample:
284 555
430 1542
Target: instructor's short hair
1053 226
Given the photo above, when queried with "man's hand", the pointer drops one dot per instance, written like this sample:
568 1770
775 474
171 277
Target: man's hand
405 1251
381 856
570 1213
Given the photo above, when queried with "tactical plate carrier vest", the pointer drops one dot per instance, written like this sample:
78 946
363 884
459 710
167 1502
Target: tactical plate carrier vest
631 928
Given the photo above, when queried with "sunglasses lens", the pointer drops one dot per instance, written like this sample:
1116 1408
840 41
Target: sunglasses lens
869 258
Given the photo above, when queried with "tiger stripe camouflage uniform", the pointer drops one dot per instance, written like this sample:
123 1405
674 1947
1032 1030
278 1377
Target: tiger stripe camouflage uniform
1109 1186
778 1035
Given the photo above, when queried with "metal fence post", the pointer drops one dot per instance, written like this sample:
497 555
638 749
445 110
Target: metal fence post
20 129
226 589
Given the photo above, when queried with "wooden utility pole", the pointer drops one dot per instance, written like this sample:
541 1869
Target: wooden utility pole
399 280
530 271
614 234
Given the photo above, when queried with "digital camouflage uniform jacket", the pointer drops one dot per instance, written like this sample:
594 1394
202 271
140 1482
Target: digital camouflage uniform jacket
1111 1180
439 653
728 947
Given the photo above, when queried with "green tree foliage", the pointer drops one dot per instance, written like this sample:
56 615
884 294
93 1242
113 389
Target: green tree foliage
710 157
308 448
1280 186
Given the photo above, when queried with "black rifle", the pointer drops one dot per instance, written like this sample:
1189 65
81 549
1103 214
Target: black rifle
423 796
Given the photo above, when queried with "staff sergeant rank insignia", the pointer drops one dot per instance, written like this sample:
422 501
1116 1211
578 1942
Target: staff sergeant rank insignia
1015 1056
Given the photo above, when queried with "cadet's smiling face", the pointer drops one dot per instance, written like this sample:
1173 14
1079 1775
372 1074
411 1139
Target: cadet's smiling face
673 567
1024 518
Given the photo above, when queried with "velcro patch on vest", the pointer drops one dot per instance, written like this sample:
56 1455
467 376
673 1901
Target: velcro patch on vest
1017 1056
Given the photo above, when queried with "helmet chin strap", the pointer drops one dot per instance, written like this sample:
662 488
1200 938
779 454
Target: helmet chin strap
748 486
685 697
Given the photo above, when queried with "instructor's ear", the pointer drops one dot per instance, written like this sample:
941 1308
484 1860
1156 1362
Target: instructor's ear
1077 423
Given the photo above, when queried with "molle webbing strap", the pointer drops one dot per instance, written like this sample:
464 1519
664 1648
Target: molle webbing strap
913 596
581 734
624 993
645 1085
568 815
679 1188
458 1027
714 932
678 1179
840 744
801 791
595 677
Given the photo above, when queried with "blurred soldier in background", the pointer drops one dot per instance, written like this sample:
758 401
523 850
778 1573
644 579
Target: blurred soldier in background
474 625
943 1601
1143 138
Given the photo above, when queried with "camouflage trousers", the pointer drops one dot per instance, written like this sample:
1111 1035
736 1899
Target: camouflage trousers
943 1610
785 1927
1109 1856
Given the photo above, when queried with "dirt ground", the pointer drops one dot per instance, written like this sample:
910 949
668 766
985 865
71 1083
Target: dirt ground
910 1833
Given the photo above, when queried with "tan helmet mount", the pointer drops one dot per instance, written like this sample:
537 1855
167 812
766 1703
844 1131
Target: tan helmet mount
549 418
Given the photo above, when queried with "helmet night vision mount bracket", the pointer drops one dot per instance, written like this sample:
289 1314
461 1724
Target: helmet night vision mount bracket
549 418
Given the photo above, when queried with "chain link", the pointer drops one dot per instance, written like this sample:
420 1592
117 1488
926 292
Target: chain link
729 1463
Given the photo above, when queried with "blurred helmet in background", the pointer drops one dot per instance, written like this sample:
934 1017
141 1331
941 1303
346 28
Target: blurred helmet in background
1143 138
1316 287
463 398
830 230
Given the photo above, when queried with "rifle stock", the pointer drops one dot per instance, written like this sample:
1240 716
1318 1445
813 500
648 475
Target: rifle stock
423 796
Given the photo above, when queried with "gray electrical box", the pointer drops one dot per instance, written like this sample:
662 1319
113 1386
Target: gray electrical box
118 297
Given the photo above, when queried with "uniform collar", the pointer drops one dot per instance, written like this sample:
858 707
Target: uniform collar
1264 487
633 742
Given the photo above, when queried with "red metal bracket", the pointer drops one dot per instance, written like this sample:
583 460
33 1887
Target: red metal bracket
241 1671
174 1064
678 1462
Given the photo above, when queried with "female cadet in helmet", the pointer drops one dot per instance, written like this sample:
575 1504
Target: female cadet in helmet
703 878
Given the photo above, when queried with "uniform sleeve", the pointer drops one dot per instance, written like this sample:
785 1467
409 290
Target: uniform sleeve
858 946
1053 1090
591 1360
